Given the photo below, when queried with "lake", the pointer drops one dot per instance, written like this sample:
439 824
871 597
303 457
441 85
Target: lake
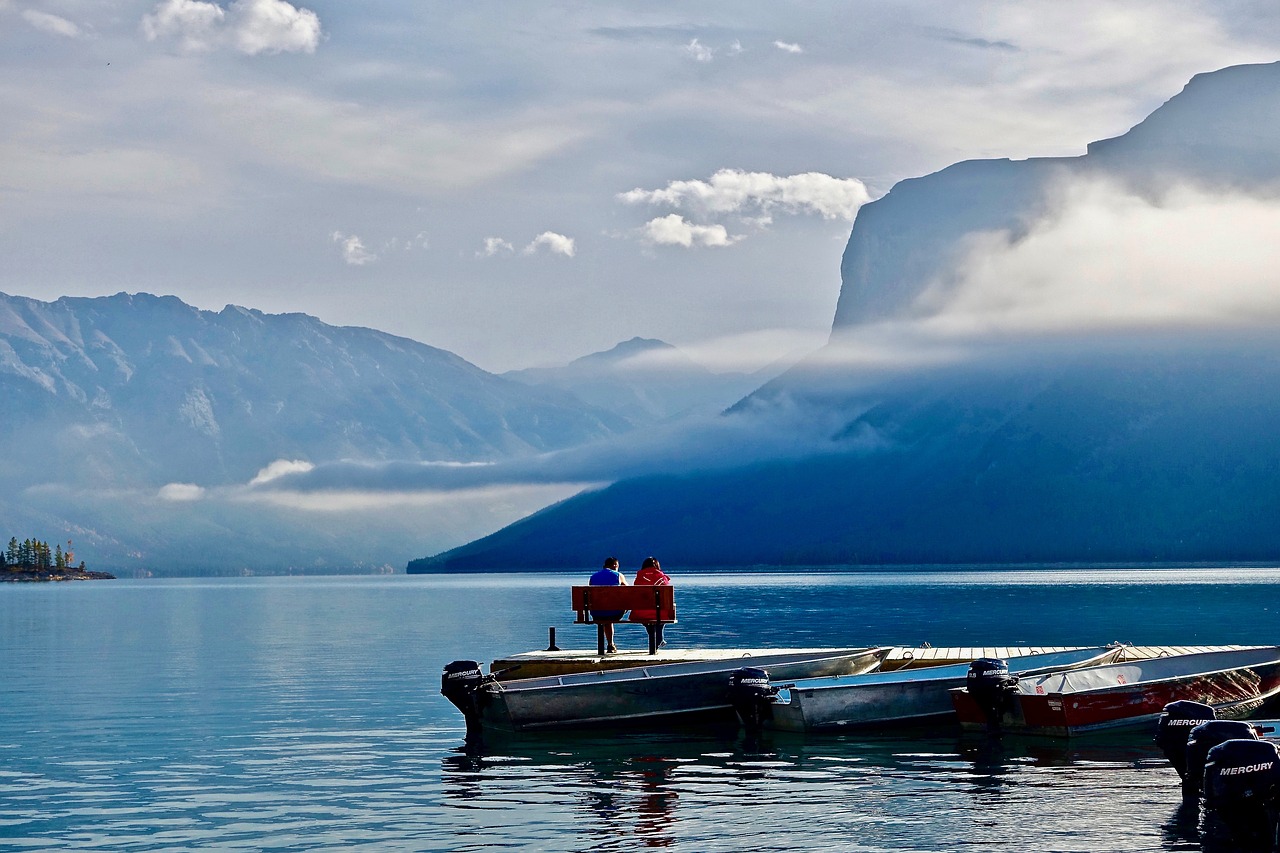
304 714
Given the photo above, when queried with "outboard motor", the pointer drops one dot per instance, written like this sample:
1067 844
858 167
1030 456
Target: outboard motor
1241 783
1175 725
750 693
992 687
460 684
1200 740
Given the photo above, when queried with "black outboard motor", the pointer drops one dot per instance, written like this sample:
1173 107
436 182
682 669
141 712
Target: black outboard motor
1241 783
750 693
460 684
992 687
1200 740
1175 725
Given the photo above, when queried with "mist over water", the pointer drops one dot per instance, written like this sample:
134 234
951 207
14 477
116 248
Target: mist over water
304 714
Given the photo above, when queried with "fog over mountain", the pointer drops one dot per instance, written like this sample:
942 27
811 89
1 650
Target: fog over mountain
1060 359
647 381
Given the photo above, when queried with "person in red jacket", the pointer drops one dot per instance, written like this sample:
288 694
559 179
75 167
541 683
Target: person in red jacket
650 574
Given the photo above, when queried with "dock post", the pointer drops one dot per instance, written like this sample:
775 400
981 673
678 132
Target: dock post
551 640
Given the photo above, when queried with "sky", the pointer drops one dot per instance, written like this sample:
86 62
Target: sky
523 184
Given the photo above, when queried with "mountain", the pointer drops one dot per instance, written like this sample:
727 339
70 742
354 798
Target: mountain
645 381
1104 441
109 401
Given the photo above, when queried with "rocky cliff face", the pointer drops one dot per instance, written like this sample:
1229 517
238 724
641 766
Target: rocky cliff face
1220 133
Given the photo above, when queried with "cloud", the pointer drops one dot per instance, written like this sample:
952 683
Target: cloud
788 47
493 246
673 230
51 24
250 26
1108 259
557 244
734 191
699 51
280 468
180 493
353 249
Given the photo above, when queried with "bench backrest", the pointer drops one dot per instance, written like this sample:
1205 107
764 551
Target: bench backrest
661 599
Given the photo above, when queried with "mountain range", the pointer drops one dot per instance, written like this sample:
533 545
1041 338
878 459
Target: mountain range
1050 360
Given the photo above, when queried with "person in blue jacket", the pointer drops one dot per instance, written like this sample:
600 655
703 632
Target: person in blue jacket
608 576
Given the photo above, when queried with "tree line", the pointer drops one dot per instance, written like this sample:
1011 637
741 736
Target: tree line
35 555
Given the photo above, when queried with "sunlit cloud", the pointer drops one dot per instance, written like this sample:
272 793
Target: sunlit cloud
494 246
556 244
1110 259
673 230
251 27
735 191
180 493
788 47
353 249
280 468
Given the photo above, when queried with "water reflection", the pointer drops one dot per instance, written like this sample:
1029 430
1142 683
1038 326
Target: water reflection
917 792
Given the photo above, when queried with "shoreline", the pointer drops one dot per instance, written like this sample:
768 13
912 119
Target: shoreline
32 576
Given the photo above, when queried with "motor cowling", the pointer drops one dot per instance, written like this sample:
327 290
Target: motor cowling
1241 784
751 695
461 684
1200 740
992 687
1173 729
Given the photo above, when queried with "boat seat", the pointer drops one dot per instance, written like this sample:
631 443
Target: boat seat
660 599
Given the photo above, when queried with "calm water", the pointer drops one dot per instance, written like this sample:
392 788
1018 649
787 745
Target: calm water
304 714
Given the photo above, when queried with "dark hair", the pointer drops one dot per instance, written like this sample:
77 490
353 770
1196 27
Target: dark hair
649 563
610 562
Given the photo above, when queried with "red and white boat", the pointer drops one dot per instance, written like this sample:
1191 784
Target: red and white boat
1234 682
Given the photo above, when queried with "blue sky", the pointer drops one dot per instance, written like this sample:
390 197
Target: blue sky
526 183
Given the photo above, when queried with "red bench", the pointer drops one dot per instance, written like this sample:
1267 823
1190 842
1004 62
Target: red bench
660 599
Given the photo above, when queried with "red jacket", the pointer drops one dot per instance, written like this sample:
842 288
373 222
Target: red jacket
649 577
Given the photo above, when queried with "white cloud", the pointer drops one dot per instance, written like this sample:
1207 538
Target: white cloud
557 244
673 230
733 191
353 249
1109 259
280 468
699 51
249 26
493 246
51 24
196 25
180 493
274 26
788 47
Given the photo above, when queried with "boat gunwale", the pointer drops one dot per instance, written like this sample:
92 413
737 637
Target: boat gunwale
1174 679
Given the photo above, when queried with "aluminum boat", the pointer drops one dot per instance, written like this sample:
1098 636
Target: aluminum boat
1235 683
899 697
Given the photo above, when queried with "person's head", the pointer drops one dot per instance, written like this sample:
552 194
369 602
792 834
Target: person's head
611 563
650 563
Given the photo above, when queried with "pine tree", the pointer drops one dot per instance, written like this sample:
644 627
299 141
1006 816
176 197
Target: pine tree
59 561
13 550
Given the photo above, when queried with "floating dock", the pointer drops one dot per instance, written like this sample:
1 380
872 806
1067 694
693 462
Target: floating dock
542 663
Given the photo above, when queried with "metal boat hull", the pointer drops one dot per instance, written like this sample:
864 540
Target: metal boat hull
899 697
649 694
1234 683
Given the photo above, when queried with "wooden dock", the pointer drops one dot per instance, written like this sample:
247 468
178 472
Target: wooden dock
540 663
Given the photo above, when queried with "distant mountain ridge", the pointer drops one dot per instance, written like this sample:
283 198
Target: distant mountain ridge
645 381
1106 447
146 389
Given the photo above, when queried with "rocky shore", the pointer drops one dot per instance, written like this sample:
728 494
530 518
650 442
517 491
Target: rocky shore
32 575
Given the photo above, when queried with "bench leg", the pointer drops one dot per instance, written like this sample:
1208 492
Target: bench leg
653 639
600 639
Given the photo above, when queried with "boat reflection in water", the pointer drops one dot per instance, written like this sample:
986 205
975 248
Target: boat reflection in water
688 790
